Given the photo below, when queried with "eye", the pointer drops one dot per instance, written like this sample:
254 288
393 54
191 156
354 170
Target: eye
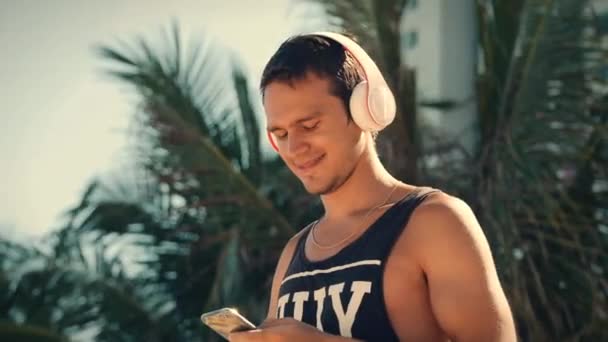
280 134
310 125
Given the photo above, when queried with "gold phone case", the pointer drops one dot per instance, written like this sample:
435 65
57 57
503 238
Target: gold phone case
226 320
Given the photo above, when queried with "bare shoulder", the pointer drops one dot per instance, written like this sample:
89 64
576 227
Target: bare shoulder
445 244
291 244
281 269
288 251
412 260
445 220
440 219
441 206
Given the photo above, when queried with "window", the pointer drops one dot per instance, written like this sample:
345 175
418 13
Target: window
410 40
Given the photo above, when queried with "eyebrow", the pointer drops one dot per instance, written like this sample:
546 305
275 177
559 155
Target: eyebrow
314 115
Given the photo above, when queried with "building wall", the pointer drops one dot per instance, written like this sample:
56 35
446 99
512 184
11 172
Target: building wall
444 58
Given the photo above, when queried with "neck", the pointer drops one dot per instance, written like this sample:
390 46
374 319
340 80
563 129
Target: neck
368 186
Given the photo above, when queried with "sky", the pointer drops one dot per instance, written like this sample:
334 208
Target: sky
62 120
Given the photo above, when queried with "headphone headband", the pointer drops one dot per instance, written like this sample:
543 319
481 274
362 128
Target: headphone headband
370 69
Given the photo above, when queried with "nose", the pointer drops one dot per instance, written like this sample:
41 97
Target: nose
296 144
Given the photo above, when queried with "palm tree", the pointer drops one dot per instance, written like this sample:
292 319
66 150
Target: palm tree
69 289
199 213
21 316
200 210
538 177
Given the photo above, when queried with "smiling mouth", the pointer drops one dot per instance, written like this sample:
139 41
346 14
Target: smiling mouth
309 165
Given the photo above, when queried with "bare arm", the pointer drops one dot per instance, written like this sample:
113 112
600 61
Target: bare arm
287 329
465 293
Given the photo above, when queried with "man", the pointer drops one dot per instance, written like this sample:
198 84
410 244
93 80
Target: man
387 261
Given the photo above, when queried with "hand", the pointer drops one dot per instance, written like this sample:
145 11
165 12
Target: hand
279 330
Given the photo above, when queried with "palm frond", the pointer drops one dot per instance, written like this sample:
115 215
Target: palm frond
197 126
545 141
22 332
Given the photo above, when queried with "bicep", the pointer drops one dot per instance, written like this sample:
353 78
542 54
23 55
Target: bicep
465 292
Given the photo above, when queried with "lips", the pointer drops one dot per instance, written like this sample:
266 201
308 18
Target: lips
310 164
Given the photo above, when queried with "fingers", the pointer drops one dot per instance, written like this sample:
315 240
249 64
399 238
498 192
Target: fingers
277 322
268 330
267 323
246 336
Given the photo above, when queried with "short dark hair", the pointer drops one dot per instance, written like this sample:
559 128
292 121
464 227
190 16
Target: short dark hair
323 56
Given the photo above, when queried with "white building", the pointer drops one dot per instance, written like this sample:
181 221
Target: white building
439 40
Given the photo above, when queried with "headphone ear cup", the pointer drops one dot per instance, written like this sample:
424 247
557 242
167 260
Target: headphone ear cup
272 142
382 106
358 106
376 114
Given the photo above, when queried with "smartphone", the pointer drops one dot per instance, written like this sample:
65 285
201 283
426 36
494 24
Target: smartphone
226 320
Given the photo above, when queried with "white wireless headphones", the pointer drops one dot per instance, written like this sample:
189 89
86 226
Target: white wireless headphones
372 103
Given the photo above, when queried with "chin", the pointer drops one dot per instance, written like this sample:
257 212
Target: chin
318 192
312 189
319 189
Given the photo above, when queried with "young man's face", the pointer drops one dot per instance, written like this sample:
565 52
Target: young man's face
313 133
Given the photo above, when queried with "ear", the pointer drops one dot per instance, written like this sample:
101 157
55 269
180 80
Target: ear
272 142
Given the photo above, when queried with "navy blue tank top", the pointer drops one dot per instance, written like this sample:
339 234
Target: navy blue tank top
343 294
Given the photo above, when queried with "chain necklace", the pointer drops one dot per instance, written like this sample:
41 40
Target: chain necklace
312 230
